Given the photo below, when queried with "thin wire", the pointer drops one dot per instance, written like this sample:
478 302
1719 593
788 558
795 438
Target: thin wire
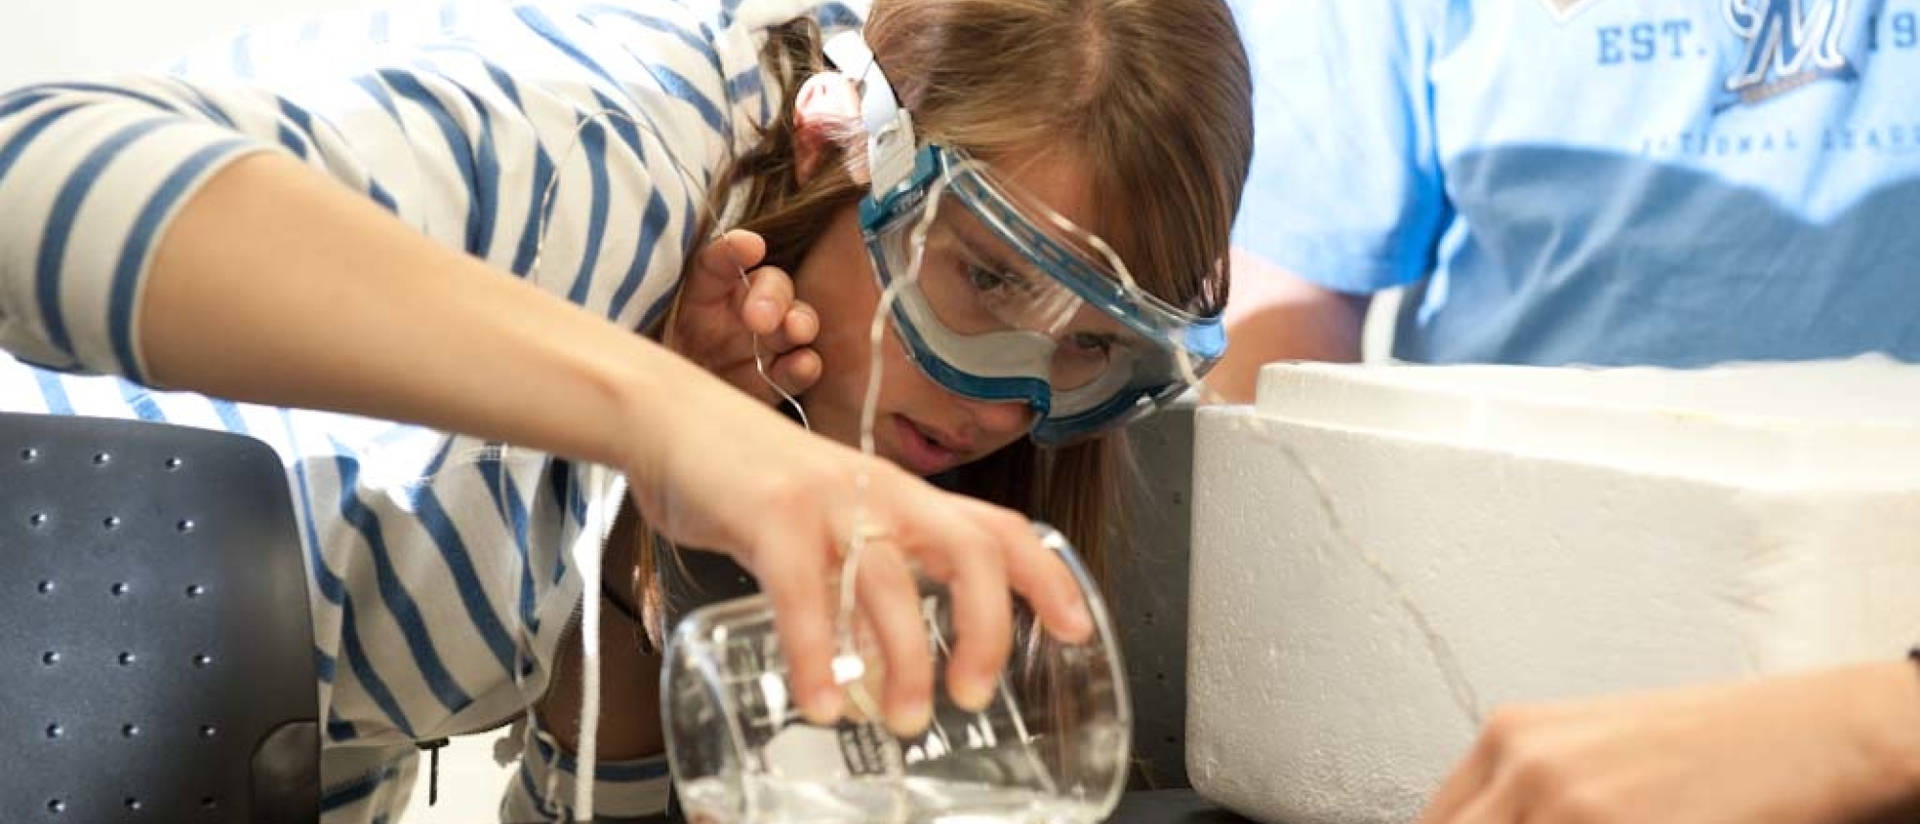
856 688
870 404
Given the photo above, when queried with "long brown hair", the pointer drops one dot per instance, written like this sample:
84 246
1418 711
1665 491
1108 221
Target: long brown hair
1155 94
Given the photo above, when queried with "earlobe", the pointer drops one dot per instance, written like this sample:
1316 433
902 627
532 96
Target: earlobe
825 108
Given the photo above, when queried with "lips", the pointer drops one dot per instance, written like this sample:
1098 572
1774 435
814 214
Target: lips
924 451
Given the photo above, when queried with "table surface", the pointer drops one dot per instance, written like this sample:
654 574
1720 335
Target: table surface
1171 807
1149 807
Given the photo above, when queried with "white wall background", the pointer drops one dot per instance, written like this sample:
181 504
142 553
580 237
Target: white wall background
44 39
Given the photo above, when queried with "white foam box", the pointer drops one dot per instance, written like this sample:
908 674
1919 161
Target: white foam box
1524 534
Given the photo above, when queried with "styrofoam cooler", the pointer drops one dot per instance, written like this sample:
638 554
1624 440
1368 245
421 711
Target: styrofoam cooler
1524 534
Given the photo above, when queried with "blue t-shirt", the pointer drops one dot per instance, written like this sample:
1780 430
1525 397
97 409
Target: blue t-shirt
1676 182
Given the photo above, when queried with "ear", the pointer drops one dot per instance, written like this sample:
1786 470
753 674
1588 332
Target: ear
826 108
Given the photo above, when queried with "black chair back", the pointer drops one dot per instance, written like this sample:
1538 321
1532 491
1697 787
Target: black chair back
156 650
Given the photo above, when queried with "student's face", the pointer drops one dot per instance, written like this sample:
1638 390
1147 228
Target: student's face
918 424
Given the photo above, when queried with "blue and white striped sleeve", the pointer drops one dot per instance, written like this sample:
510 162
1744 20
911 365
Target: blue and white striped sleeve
90 176
485 139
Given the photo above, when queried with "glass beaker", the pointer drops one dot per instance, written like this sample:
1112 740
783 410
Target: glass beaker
1052 746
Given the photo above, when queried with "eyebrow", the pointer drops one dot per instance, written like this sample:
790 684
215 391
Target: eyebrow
1108 327
985 251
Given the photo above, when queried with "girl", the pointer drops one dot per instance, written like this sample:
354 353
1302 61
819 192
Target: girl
485 219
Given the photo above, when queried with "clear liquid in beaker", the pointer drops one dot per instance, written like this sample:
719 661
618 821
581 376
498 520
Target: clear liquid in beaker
870 800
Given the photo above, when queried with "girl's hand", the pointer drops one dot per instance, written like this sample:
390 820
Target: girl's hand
782 503
1835 746
734 476
719 313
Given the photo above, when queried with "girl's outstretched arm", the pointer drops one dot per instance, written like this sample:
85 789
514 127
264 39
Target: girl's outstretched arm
276 285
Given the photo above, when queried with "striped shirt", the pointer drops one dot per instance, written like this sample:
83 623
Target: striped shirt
439 578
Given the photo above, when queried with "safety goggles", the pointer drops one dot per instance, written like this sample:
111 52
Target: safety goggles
1000 298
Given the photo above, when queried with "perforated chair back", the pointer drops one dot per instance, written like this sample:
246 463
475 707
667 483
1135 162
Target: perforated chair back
156 654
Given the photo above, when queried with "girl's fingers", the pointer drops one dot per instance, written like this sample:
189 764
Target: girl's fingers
970 560
768 300
793 575
1037 572
717 268
802 326
796 372
890 599
797 331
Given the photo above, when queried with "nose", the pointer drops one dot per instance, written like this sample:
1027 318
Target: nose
1000 420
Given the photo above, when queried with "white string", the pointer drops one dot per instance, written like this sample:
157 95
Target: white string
590 545
870 404
863 701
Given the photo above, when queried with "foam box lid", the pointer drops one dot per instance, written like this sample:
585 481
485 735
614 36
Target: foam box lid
1382 555
1793 424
